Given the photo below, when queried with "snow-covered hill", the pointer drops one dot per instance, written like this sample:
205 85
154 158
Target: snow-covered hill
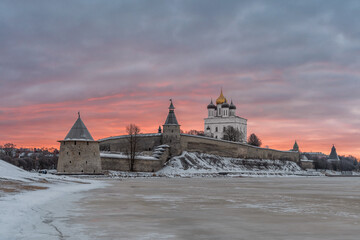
11 172
191 163
28 200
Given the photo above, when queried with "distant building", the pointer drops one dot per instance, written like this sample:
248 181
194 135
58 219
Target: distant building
221 116
79 153
295 147
333 157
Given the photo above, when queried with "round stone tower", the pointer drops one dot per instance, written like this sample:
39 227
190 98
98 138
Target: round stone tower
79 153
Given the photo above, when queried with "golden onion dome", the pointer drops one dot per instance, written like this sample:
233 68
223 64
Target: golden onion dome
221 99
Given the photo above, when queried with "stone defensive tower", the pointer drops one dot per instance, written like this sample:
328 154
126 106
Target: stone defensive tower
295 147
333 157
171 132
79 153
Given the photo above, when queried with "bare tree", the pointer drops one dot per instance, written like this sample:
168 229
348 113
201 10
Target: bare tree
195 132
232 134
254 140
133 132
9 149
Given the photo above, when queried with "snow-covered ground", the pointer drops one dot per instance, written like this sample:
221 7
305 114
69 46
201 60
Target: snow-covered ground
31 203
195 164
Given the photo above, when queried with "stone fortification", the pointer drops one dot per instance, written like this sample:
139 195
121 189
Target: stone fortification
79 157
154 163
146 142
224 148
79 153
189 143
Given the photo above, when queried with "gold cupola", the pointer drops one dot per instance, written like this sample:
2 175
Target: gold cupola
221 99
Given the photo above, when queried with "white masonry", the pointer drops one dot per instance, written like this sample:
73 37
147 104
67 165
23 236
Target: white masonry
221 116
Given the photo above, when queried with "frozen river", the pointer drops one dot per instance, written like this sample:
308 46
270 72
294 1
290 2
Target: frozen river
218 208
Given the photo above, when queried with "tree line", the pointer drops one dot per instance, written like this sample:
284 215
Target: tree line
346 163
39 158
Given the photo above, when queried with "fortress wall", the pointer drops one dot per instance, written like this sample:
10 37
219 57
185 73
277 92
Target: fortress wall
146 142
232 149
141 165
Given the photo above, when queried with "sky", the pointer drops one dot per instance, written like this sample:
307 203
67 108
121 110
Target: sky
292 68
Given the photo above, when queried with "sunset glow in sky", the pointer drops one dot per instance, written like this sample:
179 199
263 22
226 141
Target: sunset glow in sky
292 68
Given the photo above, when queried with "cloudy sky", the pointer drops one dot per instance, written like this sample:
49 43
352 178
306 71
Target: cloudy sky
291 67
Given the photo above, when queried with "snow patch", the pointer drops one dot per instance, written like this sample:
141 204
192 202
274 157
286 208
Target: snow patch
193 163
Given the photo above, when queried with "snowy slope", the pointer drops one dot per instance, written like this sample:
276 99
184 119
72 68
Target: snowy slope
28 202
11 172
198 163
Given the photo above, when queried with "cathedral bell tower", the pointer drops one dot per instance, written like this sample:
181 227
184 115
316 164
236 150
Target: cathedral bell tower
171 132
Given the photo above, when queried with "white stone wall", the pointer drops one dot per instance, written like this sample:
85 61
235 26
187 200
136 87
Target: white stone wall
217 125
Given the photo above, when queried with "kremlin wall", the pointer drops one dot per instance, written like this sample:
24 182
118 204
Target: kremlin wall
79 153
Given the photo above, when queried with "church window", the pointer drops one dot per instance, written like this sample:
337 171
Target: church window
215 136
67 153
216 129
79 153
86 162
224 129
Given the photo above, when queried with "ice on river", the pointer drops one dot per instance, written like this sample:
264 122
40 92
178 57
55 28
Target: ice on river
208 208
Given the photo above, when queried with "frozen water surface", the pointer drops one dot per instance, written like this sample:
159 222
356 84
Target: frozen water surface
217 208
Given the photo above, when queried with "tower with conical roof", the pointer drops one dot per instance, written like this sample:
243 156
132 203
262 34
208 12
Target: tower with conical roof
295 147
171 131
79 153
333 155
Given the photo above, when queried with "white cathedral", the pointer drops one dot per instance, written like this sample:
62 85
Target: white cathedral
221 116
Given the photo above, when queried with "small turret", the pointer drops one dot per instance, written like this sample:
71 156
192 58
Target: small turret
333 155
232 109
225 109
295 147
211 109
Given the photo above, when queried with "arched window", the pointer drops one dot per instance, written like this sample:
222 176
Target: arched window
216 129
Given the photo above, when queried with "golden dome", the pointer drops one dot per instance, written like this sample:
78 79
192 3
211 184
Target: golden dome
221 99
